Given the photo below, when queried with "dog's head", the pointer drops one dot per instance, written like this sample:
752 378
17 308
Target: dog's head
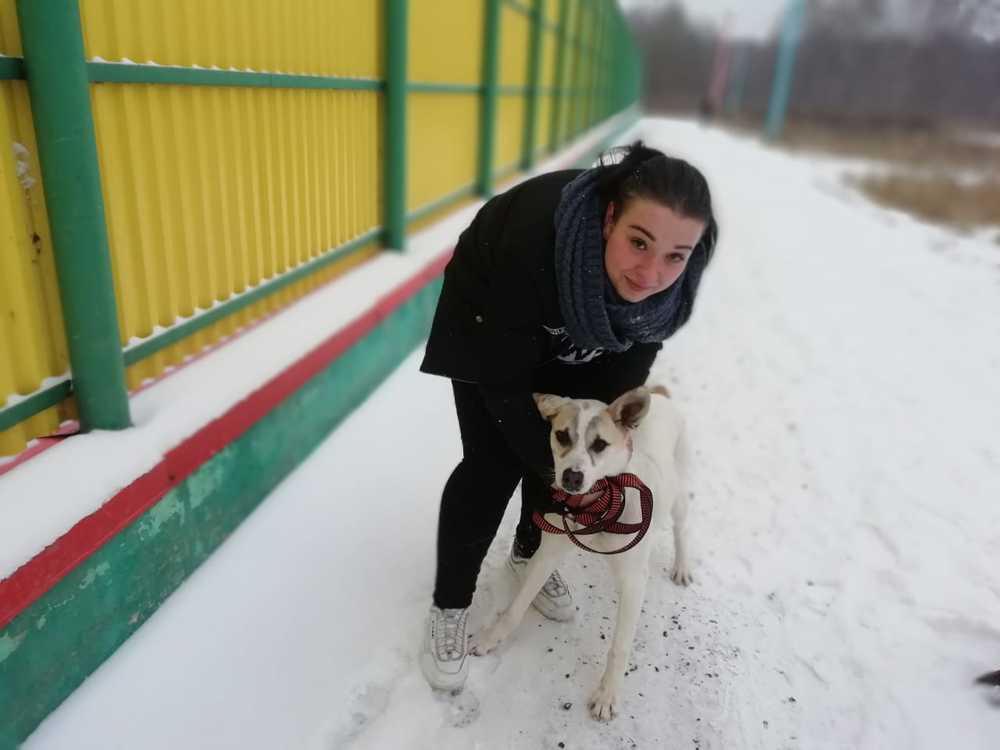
590 439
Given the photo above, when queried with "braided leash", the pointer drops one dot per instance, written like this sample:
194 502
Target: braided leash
602 514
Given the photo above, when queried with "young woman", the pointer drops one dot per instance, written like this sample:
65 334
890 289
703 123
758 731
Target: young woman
567 283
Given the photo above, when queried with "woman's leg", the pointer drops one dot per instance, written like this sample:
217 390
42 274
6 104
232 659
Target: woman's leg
474 500
535 494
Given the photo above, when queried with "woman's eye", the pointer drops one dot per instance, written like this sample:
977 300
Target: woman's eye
598 445
638 244
676 257
562 436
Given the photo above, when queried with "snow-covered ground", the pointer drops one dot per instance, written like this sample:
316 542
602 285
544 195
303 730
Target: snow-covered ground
840 380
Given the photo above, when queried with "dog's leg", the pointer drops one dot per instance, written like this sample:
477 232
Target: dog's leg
540 567
632 574
681 572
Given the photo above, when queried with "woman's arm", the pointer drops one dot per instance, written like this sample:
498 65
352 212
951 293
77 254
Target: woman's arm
526 432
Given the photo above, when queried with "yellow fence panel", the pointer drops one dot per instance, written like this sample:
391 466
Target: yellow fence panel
552 11
32 342
446 43
510 131
316 37
550 48
515 31
209 191
441 146
10 39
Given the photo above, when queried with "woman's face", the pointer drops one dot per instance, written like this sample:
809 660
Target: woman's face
647 247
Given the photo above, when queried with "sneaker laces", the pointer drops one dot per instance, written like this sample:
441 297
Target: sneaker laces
449 634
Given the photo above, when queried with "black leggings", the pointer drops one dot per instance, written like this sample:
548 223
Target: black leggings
476 494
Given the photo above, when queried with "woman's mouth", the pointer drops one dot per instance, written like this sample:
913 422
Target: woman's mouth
634 286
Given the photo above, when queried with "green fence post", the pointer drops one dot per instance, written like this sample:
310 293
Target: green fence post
56 71
560 80
488 106
396 51
534 71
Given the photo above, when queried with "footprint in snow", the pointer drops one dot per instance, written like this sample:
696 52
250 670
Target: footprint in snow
461 708
367 703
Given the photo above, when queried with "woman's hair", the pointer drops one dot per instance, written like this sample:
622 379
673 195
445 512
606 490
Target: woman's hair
637 171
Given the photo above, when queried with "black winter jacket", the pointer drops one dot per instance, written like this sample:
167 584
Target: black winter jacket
498 322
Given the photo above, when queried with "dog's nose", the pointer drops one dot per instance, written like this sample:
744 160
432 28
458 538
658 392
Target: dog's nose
572 480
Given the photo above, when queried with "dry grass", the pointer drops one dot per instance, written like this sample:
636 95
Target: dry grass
940 199
922 162
916 147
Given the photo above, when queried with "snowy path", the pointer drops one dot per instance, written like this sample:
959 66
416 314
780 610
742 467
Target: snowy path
840 382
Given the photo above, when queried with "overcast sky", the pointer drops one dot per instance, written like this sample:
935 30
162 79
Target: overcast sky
749 18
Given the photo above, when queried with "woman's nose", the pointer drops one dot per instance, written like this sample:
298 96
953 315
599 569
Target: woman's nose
647 269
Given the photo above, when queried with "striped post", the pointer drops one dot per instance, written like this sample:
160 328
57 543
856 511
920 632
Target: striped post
738 82
396 51
534 72
790 35
488 107
56 70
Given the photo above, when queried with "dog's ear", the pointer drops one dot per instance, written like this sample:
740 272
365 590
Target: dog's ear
629 408
548 405
661 389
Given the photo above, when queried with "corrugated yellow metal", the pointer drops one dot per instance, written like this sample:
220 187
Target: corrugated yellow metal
587 61
10 38
32 342
547 80
441 148
209 191
515 32
510 131
339 37
550 44
552 10
446 41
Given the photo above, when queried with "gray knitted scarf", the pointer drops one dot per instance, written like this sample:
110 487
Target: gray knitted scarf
596 316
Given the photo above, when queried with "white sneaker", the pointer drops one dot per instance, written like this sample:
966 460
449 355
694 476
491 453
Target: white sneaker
443 659
554 600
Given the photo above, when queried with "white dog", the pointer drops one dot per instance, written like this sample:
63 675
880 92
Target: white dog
590 441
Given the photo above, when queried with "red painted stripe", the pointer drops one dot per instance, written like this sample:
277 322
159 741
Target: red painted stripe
33 579
41 445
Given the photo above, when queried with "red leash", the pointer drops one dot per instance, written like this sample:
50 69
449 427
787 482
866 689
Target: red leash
603 513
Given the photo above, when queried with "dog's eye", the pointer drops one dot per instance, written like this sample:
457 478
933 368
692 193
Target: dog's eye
598 445
562 436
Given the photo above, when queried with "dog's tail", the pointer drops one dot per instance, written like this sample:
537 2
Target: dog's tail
990 678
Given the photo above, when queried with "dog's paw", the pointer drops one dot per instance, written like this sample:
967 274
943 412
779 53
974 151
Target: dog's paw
681 574
603 703
484 643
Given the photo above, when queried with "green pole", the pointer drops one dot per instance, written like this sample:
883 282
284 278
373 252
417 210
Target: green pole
56 72
560 82
396 51
488 107
534 71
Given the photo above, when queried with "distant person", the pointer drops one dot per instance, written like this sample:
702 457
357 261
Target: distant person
567 283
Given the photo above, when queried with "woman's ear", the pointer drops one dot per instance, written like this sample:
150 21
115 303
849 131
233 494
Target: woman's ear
609 220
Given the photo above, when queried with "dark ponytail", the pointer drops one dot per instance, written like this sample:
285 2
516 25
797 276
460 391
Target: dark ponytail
637 171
